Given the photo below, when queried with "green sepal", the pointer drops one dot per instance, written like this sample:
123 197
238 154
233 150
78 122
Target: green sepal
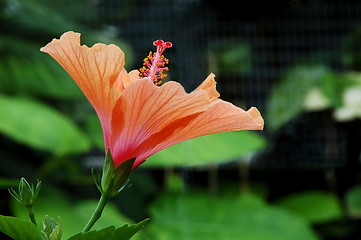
37 189
26 192
52 230
121 175
108 173
97 180
15 195
114 180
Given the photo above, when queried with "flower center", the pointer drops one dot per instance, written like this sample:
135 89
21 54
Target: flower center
154 63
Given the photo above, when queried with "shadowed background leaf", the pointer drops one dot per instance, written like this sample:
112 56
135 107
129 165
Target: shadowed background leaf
40 126
315 206
246 217
211 149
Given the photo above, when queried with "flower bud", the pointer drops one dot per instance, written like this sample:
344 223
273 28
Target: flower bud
52 230
27 194
113 179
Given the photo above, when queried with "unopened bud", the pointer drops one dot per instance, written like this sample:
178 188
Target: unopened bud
27 193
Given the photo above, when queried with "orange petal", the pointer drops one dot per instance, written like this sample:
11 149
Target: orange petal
209 85
93 69
124 79
144 109
219 117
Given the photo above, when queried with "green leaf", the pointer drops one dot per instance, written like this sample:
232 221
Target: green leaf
40 126
353 201
210 149
126 232
110 233
105 233
19 229
315 206
246 217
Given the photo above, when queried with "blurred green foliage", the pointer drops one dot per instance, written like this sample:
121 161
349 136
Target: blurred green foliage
212 149
196 216
353 202
40 126
230 56
305 87
315 206
313 86
351 49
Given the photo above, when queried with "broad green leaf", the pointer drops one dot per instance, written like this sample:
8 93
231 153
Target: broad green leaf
19 229
105 233
110 233
315 206
210 149
353 201
246 217
126 232
73 215
40 126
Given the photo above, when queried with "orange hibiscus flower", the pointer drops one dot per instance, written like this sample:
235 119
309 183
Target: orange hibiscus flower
139 116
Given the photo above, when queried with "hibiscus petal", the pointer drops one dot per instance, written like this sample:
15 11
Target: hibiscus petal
118 83
209 85
94 69
219 117
144 109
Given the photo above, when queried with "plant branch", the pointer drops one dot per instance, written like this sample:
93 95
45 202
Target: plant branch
31 214
97 213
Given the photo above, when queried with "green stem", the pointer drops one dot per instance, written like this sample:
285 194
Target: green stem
31 214
97 213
